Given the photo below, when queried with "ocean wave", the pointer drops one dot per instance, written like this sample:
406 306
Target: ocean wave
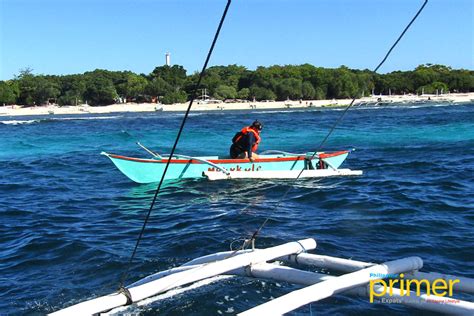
181 114
400 106
84 118
300 110
59 119
19 122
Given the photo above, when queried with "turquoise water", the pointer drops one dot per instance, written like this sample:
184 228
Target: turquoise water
70 219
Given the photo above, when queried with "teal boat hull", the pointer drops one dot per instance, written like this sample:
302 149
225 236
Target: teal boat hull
142 170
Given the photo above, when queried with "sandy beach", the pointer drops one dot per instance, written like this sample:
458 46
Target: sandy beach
16 110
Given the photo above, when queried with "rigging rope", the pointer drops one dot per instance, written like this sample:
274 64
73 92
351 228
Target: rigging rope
157 191
255 234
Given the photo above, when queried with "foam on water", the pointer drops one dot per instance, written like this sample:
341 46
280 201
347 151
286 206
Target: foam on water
19 122
42 119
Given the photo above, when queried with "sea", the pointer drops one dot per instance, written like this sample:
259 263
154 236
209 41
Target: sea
70 219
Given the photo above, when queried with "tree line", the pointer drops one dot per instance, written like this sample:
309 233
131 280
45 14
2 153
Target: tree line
171 84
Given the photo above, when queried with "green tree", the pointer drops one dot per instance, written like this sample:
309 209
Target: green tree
243 94
27 86
73 88
320 78
308 91
225 92
424 75
9 92
174 75
211 81
260 93
288 72
265 78
432 88
229 75
365 82
265 83
307 72
36 90
290 88
344 84
172 97
100 90
320 93
461 80
45 89
157 87
134 86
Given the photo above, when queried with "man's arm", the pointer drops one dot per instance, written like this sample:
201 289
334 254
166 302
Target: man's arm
251 143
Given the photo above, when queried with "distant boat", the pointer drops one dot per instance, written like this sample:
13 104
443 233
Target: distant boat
205 99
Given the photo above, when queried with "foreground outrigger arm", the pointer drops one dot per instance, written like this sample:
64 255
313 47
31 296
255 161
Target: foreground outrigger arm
254 263
280 165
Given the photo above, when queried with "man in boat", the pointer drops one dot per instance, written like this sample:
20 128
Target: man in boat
245 142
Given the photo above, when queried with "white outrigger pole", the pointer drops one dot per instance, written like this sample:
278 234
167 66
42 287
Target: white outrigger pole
200 272
282 174
253 263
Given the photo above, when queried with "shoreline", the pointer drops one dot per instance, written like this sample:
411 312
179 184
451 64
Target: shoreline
15 110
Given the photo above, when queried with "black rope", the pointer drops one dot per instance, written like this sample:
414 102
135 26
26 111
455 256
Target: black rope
193 96
259 229
123 290
374 71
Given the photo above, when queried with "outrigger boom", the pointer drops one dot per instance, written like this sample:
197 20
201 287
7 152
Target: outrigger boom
253 264
225 171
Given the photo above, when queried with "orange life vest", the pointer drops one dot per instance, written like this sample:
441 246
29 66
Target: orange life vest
247 130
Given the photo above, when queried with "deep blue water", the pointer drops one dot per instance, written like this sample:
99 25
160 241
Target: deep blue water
69 219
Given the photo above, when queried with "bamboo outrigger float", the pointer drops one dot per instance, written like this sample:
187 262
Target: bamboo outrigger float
254 264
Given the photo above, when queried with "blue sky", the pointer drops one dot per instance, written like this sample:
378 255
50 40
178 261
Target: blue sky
74 36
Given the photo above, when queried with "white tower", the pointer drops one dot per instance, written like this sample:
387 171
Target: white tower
168 62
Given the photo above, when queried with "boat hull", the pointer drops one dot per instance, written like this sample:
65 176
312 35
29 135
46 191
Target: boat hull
151 170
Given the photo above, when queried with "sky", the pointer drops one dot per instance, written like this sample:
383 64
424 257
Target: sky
58 37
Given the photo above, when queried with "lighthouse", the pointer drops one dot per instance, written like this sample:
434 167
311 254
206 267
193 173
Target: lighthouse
167 59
